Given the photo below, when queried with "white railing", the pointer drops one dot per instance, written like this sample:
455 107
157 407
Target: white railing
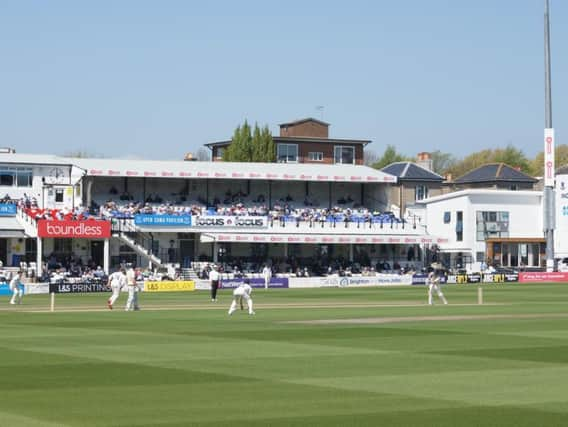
26 221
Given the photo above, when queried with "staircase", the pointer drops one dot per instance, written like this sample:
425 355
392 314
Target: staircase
127 233
188 274
29 224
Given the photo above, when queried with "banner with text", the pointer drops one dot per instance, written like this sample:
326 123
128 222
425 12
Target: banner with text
541 276
170 286
227 221
78 288
74 229
144 220
275 282
7 209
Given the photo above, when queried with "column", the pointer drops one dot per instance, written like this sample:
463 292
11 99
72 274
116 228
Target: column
106 256
351 252
39 258
215 252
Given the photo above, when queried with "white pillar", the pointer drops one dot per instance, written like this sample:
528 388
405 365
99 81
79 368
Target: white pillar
215 252
39 258
286 250
106 256
350 252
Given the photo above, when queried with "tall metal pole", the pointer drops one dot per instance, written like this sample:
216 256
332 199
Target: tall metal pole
547 86
549 211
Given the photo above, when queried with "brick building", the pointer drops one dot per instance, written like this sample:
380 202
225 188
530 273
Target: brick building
307 141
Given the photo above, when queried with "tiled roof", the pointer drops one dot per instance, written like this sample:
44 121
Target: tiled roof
408 171
495 172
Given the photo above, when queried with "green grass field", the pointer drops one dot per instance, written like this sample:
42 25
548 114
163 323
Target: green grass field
385 359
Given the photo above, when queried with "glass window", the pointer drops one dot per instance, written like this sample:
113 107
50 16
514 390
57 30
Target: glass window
344 155
59 195
491 224
447 217
24 178
459 226
287 153
7 177
420 192
315 156
63 246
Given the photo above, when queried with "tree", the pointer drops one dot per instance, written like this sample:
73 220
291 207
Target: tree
248 145
369 157
509 155
442 162
513 157
561 159
389 156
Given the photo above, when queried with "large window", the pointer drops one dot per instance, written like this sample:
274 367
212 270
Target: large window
420 192
459 226
19 177
492 224
344 155
287 153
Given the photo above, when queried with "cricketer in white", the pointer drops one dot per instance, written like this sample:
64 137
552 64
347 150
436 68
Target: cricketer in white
242 291
116 281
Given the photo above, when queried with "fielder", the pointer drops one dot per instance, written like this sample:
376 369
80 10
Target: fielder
242 291
433 283
266 274
116 281
17 288
132 302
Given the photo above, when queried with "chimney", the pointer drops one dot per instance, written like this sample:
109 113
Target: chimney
424 159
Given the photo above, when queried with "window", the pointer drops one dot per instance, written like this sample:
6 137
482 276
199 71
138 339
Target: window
459 226
491 224
344 155
287 153
315 156
220 152
7 177
420 192
20 177
24 178
62 246
447 217
59 195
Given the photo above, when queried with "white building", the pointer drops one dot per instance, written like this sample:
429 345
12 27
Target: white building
504 227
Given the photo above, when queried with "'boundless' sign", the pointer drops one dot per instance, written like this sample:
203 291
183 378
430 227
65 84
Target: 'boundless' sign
74 229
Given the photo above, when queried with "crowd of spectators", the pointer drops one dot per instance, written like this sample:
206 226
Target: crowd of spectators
283 211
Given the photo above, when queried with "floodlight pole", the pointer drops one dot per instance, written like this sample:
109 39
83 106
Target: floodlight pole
549 220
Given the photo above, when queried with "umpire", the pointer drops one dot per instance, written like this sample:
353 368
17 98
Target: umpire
214 278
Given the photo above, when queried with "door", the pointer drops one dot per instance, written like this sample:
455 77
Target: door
4 251
187 252
97 251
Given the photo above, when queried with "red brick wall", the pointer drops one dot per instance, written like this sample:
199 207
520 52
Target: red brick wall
306 129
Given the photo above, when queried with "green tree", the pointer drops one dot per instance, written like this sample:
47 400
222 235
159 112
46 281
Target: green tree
513 157
389 156
268 144
560 159
250 145
509 155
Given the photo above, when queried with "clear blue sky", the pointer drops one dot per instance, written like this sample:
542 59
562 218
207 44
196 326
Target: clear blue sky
156 79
